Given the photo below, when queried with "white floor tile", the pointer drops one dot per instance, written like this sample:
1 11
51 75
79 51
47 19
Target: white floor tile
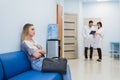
108 69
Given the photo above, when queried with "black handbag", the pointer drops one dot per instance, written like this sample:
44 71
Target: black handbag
54 65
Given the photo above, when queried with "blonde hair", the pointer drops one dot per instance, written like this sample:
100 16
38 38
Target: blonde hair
25 30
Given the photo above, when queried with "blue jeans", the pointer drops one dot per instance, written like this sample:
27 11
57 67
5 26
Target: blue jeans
38 66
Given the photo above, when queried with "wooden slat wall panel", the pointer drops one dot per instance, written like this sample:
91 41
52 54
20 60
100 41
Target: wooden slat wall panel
70 36
70 19
70 55
69 33
67 40
69 47
69 26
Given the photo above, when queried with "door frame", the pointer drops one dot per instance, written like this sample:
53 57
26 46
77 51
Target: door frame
59 21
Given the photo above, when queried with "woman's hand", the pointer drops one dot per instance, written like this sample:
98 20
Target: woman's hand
37 54
42 51
97 34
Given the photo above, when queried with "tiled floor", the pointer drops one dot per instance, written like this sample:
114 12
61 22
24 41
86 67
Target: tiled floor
108 69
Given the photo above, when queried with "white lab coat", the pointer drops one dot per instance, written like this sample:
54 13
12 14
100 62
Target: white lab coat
88 38
98 40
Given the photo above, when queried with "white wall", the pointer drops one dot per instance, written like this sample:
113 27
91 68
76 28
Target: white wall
61 2
80 27
14 14
110 14
71 6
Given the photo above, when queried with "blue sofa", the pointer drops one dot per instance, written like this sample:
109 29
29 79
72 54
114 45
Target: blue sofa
1 71
16 66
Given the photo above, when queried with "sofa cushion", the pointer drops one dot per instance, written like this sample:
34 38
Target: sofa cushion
36 75
1 71
14 63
